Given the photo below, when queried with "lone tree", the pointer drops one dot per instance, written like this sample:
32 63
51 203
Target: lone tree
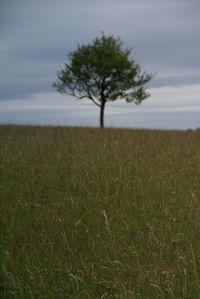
103 72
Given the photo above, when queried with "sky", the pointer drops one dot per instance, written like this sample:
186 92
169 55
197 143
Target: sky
37 36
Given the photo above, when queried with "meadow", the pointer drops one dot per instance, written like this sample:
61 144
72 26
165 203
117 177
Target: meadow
90 213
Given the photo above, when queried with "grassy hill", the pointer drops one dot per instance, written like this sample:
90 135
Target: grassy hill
89 213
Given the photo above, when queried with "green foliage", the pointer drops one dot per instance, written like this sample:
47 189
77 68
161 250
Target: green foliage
86 213
102 72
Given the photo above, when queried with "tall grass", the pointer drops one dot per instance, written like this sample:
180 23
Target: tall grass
89 213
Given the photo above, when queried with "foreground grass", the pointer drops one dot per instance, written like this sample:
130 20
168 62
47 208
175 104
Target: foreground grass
88 213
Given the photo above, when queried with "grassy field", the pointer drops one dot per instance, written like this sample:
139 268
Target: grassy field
89 213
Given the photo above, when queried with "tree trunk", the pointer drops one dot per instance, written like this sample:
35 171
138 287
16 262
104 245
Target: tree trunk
102 114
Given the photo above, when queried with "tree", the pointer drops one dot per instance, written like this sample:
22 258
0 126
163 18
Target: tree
103 72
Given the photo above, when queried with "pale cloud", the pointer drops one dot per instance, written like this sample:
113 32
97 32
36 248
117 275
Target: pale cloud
168 107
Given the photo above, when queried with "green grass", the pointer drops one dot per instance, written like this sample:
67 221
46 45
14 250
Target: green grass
89 213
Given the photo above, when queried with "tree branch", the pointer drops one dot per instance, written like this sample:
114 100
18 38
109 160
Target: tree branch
88 96
95 102
92 99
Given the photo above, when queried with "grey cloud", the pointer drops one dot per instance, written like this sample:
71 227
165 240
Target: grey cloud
36 37
23 89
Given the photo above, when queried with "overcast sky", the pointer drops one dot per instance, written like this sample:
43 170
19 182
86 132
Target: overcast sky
36 37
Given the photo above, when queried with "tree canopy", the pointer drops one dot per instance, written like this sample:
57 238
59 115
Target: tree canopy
103 72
